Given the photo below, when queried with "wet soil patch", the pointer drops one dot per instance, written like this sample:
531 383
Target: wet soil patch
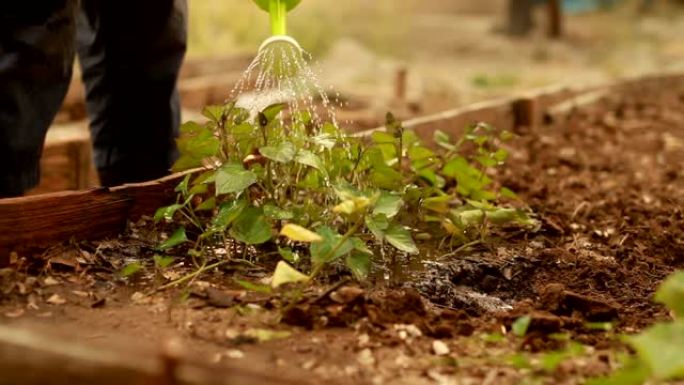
607 184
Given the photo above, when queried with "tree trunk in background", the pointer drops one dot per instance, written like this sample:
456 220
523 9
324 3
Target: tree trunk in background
520 20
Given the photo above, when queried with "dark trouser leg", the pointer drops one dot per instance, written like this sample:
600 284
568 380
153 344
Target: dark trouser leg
130 53
36 61
520 20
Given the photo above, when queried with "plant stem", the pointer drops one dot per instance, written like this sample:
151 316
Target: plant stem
221 127
269 179
192 275
461 248
400 151
191 220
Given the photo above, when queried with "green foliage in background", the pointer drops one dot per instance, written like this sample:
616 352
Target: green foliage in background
321 197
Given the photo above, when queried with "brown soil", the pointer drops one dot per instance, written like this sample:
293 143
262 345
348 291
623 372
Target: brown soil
607 185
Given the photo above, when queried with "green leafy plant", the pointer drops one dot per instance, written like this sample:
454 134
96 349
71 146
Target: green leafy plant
275 183
660 348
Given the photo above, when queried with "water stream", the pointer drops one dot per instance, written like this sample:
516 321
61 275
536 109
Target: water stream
281 73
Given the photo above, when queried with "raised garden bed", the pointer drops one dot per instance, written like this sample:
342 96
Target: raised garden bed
600 168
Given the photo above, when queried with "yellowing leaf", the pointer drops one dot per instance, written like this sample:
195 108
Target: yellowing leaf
265 335
450 228
361 203
352 206
284 273
299 234
346 207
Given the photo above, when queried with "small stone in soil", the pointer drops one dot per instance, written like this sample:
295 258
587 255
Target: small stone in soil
365 357
408 330
99 303
308 365
440 348
15 313
56 299
235 354
220 299
137 297
346 294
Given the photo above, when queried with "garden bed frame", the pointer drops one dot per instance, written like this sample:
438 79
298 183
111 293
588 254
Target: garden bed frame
40 220
30 356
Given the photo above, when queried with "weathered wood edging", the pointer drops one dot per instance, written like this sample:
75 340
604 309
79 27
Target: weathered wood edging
40 220
32 356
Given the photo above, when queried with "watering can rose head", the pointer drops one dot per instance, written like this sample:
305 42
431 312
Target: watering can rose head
265 4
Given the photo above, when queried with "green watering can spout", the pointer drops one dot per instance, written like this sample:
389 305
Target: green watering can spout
278 10
281 54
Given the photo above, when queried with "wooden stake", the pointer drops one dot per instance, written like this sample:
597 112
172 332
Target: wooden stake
555 19
400 84
525 111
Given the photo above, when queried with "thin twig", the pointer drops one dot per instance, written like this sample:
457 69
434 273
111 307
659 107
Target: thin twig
190 276
461 248
331 290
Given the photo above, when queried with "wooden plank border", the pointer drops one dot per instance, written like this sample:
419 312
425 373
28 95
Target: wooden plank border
39 220
33 356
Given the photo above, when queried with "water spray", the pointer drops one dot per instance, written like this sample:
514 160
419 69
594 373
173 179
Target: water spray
280 73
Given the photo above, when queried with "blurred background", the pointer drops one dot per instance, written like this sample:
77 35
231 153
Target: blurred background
465 49
413 57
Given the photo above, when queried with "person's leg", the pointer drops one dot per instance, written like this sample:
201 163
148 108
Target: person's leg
520 16
36 61
130 53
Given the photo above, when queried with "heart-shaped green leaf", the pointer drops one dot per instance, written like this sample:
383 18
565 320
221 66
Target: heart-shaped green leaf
282 153
232 178
251 227
359 263
330 248
400 238
177 238
388 204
